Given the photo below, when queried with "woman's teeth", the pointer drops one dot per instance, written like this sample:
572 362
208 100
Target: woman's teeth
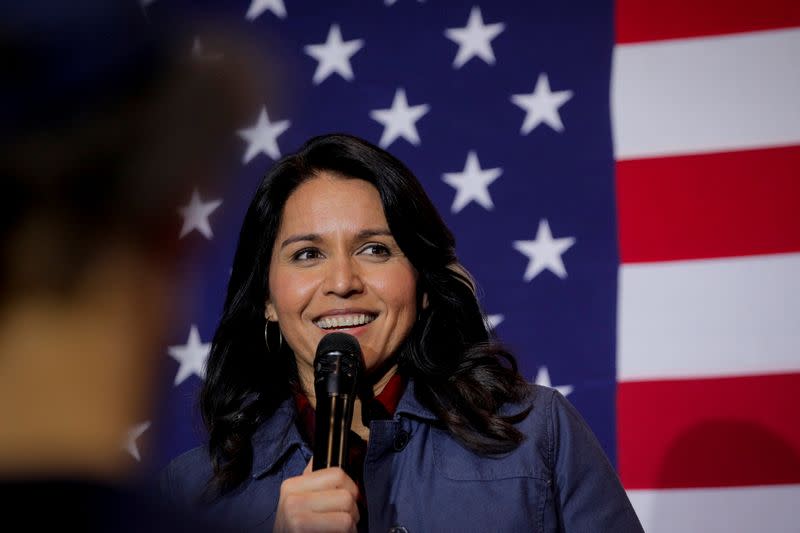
343 321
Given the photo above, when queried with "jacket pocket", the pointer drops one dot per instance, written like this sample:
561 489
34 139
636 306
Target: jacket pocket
455 462
477 493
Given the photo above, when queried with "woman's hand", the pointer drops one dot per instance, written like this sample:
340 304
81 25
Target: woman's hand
324 500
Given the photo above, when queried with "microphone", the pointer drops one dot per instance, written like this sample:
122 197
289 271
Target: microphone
337 368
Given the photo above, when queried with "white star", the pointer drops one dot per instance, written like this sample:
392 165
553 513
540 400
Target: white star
334 55
195 215
541 106
544 252
474 39
191 356
400 120
391 2
133 435
494 320
543 378
263 137
257 7
472 183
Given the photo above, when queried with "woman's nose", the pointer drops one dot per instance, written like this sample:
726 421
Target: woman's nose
343 277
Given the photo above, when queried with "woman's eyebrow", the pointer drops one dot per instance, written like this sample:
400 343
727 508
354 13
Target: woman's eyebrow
313 237
366 233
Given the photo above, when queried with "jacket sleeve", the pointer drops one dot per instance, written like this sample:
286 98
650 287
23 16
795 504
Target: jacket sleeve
589 495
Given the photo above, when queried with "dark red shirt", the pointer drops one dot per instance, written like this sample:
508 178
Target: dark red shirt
381 407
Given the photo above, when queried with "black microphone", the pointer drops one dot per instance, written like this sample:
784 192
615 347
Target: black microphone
337 368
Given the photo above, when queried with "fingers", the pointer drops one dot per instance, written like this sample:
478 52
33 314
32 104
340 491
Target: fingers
322 500
329 522
319 480
334 500
320 504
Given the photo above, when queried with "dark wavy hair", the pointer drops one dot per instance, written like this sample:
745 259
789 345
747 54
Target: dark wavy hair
459 372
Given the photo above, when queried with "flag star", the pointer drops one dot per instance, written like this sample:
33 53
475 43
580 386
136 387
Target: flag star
400 120
263 137
543 378
541 106
544 252
474 39
191 356
392 2
334 55
472 183
494 320
195 215
257 7
133 435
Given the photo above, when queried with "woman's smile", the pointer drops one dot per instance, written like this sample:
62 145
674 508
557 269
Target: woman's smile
345 319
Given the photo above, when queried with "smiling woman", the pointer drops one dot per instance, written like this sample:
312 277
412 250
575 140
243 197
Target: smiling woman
341 236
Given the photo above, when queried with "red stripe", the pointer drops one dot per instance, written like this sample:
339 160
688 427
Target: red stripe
647 20
711 205
709 432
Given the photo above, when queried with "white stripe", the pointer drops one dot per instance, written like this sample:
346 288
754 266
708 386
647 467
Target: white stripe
706 94
730 510
707 318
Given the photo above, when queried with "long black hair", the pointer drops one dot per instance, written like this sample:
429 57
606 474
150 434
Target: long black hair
459 372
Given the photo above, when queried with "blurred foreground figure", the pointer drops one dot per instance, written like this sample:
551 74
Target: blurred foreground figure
104 131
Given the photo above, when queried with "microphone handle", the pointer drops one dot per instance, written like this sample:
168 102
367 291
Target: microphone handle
334 415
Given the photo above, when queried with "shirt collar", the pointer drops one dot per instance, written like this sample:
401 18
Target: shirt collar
385 404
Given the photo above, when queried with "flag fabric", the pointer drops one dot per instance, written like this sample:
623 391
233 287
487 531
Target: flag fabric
623 180
706 121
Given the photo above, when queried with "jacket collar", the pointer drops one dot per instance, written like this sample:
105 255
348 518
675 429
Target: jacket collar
409 405
278 435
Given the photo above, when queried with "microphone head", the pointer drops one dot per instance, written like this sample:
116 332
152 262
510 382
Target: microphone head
337 364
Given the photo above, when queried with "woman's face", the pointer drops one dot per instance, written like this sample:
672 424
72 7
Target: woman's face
336 267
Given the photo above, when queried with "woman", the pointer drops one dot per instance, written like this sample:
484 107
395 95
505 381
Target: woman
448 435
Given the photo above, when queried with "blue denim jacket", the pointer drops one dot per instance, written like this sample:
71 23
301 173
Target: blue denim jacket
419 478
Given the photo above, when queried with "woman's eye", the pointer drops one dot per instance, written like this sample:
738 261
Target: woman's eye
375 249
306 254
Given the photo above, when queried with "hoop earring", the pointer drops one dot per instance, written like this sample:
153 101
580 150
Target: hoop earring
266 337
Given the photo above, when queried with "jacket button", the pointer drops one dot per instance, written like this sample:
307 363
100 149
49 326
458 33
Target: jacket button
400 441
398 529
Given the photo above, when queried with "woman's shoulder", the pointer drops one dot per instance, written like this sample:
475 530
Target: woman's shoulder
192 457
541 401
547 413
185 477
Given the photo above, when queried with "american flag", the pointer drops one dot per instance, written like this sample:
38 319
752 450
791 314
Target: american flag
623 179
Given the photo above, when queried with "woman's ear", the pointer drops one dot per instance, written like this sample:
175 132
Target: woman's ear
269 312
